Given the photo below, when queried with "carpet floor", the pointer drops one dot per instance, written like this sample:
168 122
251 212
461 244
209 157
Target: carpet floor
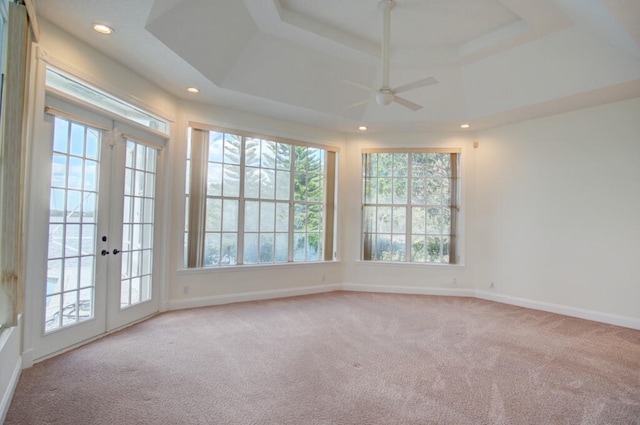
343 358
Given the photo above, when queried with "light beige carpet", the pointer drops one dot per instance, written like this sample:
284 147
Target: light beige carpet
343 358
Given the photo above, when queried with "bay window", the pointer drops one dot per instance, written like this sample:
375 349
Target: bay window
254 199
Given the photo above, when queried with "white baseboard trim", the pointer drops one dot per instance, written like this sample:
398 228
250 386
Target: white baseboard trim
250 296
611 319
8 395
9 341
27 358
416 290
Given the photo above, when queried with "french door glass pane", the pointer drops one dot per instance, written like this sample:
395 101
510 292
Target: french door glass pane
137 224
72 225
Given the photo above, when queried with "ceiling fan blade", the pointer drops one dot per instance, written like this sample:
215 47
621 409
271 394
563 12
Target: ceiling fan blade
406 103
362 86
429 81
355 105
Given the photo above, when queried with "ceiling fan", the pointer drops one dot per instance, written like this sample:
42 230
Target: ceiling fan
385 95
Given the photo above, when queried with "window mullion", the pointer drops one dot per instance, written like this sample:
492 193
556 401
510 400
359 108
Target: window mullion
329 213
241 205
292 209
409 212
364 227
453 254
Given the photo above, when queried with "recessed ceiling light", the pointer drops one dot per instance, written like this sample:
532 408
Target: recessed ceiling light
465 126
103 29
193 90
362 128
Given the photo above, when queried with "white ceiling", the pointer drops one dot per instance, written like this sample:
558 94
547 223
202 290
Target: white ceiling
497 61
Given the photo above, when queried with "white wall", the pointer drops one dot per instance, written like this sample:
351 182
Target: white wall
558 210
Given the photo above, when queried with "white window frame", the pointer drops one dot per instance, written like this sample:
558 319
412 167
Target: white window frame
454 235
196 196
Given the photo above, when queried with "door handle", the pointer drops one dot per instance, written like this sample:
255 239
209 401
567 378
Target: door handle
116 251
104 252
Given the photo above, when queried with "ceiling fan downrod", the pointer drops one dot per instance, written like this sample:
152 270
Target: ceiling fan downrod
386 95
386 6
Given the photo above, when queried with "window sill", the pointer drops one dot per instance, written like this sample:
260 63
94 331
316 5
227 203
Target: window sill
255 267
409 264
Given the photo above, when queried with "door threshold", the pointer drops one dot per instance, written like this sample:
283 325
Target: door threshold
92 339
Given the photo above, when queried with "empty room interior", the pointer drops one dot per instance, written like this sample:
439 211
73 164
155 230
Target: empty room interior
355 198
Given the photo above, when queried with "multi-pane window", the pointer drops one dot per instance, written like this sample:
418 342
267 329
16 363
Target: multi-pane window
72 224
308 197
257 200
267 190
137 224
222 198
410 205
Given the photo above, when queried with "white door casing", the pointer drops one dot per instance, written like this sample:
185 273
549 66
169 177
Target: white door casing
59 266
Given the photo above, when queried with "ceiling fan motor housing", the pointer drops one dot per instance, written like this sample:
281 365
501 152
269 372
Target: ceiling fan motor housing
384 97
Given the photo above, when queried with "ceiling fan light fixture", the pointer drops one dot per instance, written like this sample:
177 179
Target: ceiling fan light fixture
464 126
384 97
363 128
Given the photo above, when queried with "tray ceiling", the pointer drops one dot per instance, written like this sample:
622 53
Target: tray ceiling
497 61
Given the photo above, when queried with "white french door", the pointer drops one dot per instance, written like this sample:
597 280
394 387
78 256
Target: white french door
133 294
100 185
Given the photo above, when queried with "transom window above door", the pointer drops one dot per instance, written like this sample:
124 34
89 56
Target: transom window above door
57 80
